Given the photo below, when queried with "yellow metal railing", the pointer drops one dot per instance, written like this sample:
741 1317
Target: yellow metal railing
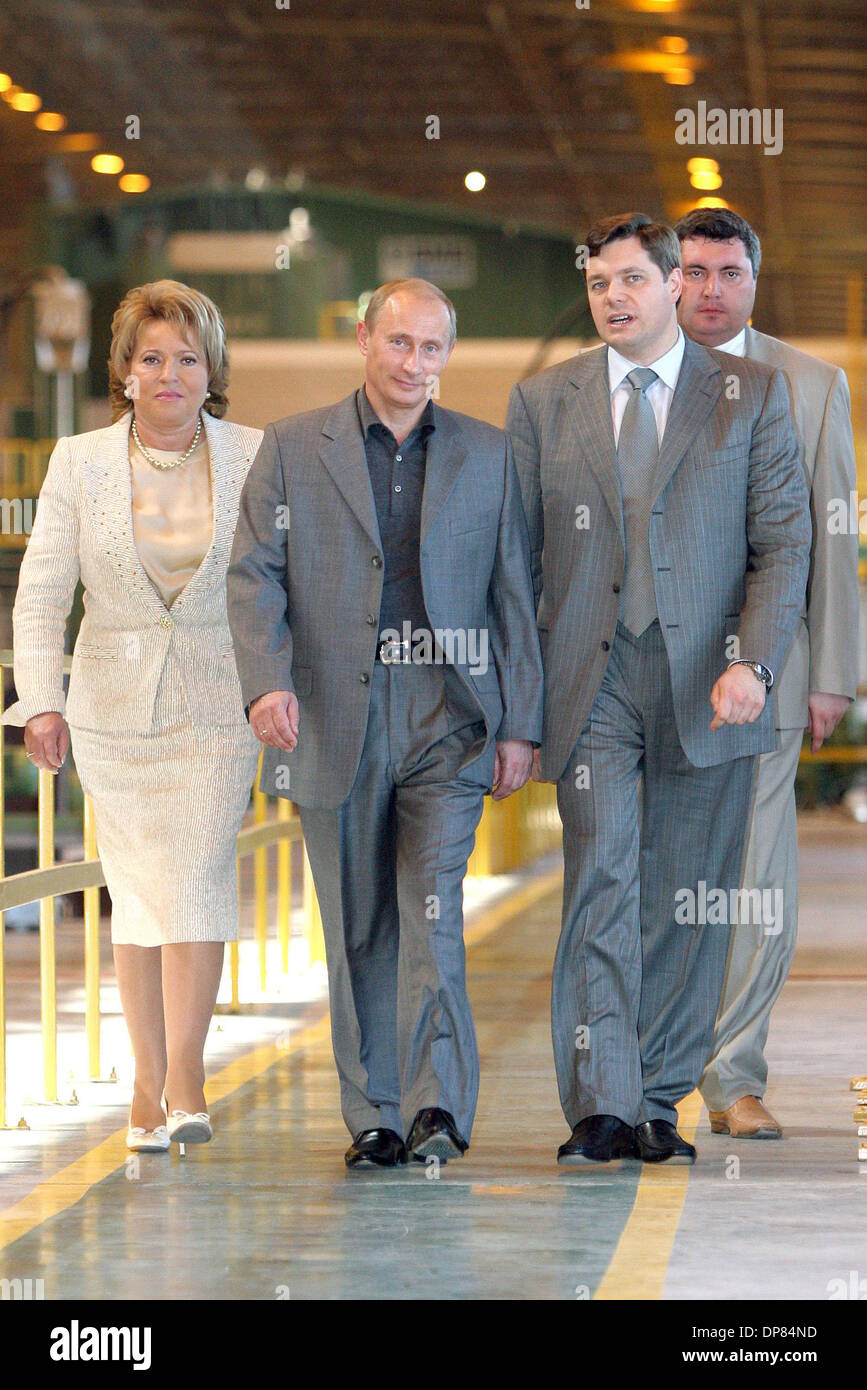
49 880
511 833
23 465
46 882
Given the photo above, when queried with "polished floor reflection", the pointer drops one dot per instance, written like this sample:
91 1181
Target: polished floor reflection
268 1210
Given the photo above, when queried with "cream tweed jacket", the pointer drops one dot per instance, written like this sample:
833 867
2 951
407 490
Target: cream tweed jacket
83 528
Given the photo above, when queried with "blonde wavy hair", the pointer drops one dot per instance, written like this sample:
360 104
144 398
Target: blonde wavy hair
191 314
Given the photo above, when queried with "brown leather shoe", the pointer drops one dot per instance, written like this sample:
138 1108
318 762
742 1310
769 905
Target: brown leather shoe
746 1119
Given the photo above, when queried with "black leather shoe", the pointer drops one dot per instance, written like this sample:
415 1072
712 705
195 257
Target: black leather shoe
659 1142
380 1148
598 1139
434 1135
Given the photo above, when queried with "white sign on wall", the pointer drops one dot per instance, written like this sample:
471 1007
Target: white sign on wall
224 253
448 261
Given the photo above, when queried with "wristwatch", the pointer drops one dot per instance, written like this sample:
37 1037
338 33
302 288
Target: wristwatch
763 672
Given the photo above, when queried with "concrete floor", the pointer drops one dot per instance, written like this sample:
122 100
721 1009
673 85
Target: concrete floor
268 1211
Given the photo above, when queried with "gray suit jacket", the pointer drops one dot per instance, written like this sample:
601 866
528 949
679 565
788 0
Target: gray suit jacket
729 537
824 652
305 585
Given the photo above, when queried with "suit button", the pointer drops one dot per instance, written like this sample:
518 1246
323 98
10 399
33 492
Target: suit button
165 621
371 619
606 646
364 678
616 588
376 562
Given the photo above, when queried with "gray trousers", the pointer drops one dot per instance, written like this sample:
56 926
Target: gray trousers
389 865
635 990
760 952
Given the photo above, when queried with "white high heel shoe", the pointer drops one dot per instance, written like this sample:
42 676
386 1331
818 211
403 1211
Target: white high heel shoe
147 1141
184 1128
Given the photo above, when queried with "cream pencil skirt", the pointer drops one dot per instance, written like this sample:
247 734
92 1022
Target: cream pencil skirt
167 807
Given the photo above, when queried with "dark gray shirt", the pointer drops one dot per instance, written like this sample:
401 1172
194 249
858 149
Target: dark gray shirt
397 478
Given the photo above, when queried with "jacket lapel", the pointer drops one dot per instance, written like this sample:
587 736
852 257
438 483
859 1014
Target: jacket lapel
588 407
226 457
109 490
754 346
342 452
445 458
698 389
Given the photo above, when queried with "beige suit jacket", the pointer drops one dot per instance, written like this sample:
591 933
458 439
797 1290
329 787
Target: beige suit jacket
824 652
83 529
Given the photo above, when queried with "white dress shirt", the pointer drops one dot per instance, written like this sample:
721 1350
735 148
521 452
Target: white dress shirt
659 394
735 345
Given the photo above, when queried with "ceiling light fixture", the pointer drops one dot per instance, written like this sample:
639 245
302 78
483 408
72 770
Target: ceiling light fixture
106 164
134 183
705 179
25 101
78 143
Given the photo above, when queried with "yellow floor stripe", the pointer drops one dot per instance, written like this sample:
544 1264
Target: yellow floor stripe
640 1262
70 1184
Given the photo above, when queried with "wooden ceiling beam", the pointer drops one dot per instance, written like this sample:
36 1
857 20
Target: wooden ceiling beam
769 178
535 83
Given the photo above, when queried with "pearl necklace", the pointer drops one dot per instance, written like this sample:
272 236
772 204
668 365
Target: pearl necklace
173 463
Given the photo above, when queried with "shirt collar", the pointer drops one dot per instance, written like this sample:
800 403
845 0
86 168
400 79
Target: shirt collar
667 367
736 345
367 416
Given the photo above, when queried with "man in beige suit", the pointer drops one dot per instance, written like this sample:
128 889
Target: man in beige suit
721 256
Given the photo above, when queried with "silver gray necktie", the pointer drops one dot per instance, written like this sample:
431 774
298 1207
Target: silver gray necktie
637 455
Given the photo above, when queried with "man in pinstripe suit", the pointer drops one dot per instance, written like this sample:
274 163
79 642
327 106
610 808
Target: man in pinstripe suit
670 536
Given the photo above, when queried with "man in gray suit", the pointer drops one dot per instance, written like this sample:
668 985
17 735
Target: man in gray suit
381 605
669 537
721 256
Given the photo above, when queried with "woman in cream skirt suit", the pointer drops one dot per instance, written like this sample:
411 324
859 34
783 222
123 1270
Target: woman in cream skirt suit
144 514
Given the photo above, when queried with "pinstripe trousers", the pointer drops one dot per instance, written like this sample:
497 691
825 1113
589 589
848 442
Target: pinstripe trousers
635 990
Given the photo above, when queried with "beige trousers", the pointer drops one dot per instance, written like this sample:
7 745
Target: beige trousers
761 948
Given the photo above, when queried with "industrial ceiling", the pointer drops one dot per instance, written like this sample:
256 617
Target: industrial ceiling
570 110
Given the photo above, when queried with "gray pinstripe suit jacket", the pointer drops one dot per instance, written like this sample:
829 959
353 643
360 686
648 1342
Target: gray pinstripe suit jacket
304 598
729 537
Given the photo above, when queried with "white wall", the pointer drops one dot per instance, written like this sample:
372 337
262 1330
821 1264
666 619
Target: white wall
270 379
